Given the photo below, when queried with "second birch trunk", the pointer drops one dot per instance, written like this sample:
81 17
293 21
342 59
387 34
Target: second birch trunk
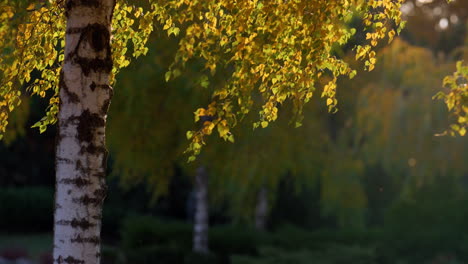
200 225
261 210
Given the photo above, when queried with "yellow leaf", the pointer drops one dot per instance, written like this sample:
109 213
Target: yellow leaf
462 131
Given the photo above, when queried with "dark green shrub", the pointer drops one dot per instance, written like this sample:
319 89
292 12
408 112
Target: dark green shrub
142 231
229 239
155 235
112 218
111 255
26 209
362 237
336 254
155 254
293 238
194 258
432 224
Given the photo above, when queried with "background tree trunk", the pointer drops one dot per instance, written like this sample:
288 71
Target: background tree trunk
200 225
81 155
261 209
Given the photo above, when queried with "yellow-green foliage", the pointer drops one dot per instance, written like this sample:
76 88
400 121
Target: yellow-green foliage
32 35
280 49
149 117
262 158
456 98
396 118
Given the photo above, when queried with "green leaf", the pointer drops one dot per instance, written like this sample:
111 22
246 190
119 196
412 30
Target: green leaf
189 134
204 82
173 30
167 76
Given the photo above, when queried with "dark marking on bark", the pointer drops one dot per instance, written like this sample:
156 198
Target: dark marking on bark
69 260
74 30
101 193
81 223
57 206
87 124
92 149
96 65
98 255
105 106
69 192
104 86
64 160
72 260
98 37
93 86
100 175
78 182
81 240
79 167
72 97
97 216
86 200
105 154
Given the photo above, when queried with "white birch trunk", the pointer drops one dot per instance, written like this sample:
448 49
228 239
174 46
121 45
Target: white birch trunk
81 155
200 225
261 209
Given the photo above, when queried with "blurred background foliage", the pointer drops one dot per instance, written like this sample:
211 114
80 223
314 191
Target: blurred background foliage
369 184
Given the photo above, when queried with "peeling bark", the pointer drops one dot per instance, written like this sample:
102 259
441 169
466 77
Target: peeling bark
81 155
200 225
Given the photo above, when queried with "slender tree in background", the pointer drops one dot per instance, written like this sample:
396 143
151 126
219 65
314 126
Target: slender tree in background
261 209
201 217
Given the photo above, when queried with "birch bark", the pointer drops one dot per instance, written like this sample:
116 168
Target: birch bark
81 155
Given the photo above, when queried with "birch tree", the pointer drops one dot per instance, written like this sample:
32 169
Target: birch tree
81 156
278 49
68 42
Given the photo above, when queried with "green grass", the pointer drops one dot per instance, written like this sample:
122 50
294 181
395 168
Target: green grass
34 244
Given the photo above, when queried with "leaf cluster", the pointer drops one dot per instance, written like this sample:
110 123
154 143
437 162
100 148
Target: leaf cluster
456 98
280 50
